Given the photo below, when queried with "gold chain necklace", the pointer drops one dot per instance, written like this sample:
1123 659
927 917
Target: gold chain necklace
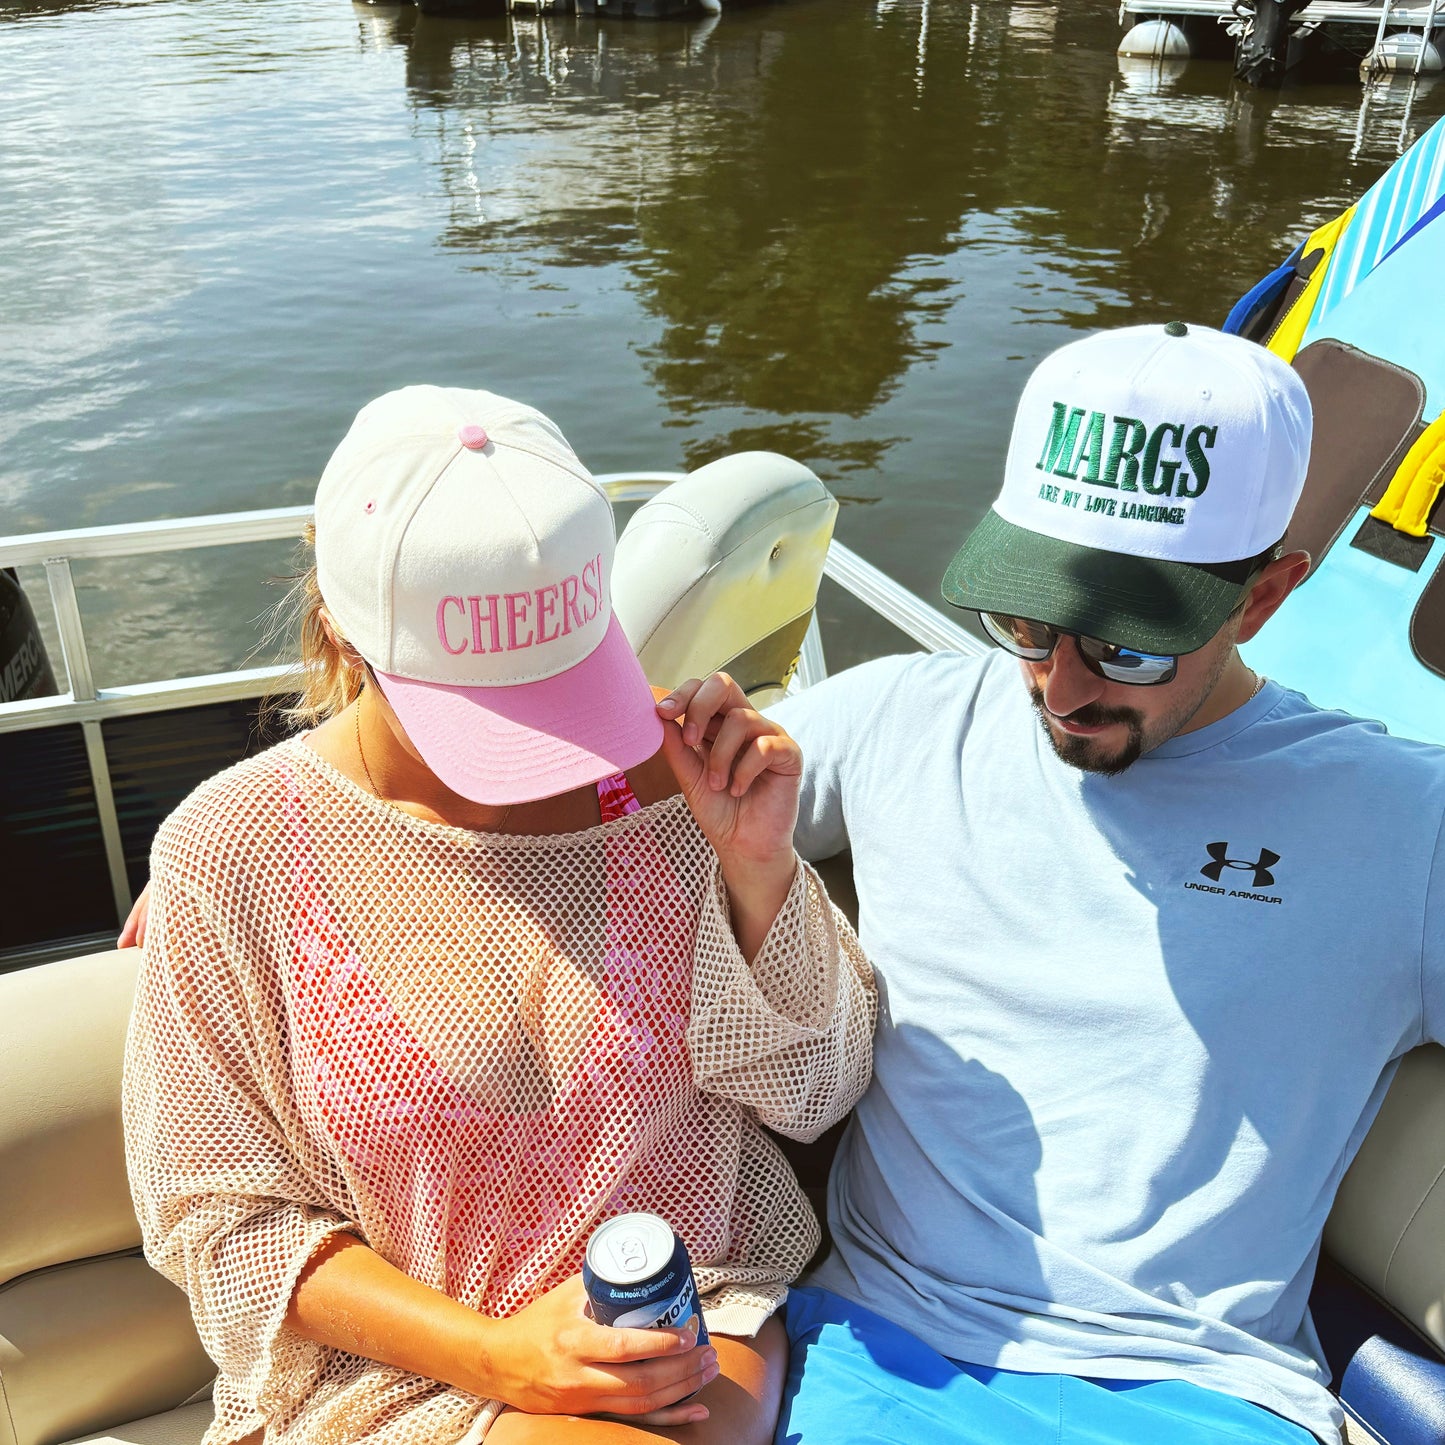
376 792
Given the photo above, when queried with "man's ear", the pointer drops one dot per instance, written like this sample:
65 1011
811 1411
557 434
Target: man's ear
1270 589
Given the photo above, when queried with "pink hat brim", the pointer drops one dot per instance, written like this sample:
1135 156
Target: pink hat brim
535 739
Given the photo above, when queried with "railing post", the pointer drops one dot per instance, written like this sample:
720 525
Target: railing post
81 683
812 665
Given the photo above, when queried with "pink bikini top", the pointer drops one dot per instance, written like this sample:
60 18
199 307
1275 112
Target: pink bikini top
490 1203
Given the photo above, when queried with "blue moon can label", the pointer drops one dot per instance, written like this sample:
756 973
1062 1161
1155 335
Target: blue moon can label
638 1276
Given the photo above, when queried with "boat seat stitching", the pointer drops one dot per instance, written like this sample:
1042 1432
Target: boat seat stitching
1409 1223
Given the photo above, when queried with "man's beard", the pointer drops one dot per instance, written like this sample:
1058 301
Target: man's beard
1082 753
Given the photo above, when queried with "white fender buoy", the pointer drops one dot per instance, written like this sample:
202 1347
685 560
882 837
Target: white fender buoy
710 7
1156 40
1398 52
1149 77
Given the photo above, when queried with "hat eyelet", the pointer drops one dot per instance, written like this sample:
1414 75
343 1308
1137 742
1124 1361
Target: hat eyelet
369 508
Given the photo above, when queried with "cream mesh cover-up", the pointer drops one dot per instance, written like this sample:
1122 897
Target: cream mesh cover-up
467 1049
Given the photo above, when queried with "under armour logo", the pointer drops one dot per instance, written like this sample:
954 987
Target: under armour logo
1263 878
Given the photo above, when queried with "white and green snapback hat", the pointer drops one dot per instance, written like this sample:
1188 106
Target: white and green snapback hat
1147 466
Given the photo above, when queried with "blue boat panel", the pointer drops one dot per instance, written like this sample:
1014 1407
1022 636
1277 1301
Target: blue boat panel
1393 314
1343 639
1433 214
1388 210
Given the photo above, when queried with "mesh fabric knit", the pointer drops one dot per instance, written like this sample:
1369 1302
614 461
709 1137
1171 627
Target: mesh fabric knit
467 1049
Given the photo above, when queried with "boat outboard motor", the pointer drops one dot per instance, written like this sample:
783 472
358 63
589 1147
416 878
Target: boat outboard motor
1262 49
721 570
24 664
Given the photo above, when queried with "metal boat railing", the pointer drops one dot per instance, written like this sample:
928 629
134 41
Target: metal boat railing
89 706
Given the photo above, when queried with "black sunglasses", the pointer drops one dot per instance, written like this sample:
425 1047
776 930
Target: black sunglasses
1034 641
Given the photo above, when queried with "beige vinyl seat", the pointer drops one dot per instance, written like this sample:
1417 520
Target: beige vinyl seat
721 571
94 1345
92 1340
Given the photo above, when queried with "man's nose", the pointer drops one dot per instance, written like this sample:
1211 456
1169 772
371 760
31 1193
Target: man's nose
1066 684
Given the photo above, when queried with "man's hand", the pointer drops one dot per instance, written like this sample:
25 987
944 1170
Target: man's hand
741 775
552 1358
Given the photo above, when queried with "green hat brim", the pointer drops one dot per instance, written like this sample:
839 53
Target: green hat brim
1138 602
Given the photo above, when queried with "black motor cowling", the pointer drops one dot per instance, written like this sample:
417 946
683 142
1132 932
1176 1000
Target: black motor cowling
25 669
1263 45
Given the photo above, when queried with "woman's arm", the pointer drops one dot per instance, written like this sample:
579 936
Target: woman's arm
548 1359
740 774
783 1022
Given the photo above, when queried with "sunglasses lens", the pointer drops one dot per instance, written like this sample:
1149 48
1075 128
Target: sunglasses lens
1031 640
1123 664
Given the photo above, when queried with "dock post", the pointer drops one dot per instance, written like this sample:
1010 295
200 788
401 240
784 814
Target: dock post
1379 36
1425 38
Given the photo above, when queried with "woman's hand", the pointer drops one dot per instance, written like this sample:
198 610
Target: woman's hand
133 935
741 774
552 1358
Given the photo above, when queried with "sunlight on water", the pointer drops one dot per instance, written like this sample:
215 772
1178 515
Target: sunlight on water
842 229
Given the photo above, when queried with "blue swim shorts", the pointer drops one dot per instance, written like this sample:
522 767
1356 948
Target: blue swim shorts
856 1377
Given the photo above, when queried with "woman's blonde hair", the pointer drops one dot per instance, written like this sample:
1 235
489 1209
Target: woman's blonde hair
329 672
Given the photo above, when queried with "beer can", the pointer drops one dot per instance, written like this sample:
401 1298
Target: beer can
638 1276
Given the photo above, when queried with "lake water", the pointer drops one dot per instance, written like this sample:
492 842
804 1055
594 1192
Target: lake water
841 229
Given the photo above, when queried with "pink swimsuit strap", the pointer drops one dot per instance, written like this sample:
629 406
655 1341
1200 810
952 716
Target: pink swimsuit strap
616 798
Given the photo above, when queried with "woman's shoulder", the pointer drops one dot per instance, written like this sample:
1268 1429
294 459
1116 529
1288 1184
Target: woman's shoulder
237 812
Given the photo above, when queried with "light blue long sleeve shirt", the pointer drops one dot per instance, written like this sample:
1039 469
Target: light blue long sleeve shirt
1132 1029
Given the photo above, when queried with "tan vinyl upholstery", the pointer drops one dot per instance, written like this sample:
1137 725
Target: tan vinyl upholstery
95 1345
182 1426
1354 1434
1388 1222
721 570
91 1338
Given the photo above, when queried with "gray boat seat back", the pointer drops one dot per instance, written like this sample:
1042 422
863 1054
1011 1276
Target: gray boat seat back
91 1338
721 571
1387 1227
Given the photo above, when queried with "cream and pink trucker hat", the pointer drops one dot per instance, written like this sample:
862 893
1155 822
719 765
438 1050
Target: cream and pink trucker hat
466 553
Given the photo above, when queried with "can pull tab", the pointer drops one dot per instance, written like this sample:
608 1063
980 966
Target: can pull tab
630 1252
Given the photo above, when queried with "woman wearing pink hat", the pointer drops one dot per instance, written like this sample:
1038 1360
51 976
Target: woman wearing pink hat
490 955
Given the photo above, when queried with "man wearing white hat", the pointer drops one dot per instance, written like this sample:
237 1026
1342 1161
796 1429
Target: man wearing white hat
1150 930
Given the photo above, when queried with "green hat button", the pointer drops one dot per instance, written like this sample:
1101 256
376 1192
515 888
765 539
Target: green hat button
1175 328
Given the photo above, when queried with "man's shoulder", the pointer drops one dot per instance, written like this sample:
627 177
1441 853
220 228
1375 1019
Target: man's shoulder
1296 721
1355 757
900 682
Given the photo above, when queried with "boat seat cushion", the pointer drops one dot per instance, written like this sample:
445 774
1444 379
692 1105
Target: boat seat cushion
721 570
89 1333
182 1426
1367 415
62 1155
1389 1379
1389 1216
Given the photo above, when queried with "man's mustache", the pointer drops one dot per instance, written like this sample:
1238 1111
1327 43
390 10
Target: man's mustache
1093 715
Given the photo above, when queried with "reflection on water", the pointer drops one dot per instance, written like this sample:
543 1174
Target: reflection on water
843 229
